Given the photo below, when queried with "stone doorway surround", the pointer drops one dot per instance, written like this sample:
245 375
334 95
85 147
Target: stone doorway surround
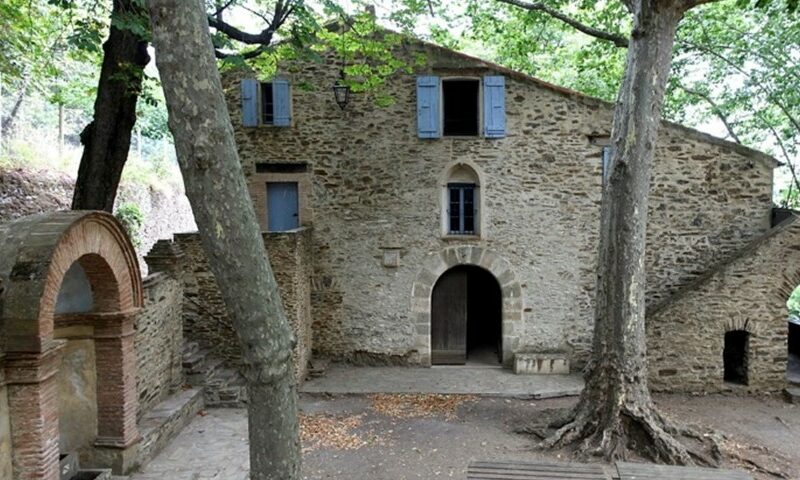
435 264
35 254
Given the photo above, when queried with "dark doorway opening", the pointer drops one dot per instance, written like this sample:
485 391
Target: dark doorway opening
466 318
735 356
460 107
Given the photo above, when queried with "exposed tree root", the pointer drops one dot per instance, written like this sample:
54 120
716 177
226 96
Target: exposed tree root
636 430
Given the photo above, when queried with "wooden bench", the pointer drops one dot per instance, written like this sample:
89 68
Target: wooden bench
649 471
534 471
587 471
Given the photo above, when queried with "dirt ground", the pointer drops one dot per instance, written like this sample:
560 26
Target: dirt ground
401 437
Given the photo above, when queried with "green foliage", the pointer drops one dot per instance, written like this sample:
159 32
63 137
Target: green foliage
793 304
131 217
789 197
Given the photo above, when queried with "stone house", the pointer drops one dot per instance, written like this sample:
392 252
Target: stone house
460 223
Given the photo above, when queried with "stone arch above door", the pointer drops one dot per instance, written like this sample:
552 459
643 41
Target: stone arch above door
435 264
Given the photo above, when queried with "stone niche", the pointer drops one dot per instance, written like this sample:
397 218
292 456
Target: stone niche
70 289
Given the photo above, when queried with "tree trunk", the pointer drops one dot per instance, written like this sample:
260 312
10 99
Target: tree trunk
106 140
8 120
60 131
215 185
615 414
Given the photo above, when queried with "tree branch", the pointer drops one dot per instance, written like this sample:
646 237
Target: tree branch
617 40
715 108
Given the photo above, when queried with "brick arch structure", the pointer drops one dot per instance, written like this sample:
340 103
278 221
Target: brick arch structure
436 264
35 254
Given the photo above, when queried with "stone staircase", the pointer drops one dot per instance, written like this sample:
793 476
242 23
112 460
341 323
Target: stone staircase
70 469
223 387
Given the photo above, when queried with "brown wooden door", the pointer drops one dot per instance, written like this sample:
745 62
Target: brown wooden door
449 319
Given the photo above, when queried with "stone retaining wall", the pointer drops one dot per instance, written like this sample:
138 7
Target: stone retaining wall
159 340
748 292
205 317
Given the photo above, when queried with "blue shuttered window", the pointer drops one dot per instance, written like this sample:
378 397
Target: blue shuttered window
267 103
429 102
494 106
249 89
428 117
461 208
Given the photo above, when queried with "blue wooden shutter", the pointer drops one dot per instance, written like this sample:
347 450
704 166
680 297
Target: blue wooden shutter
428 119
281 103
494 106
249 88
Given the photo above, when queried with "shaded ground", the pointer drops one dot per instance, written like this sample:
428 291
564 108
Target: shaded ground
395 437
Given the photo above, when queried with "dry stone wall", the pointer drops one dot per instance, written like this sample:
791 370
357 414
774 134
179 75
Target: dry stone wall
205 318
376 187
748 292
159 340
166 209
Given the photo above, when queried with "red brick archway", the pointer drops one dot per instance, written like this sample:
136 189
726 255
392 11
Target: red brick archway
35 254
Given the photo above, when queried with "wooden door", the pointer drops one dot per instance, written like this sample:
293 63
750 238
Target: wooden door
449 319
282 206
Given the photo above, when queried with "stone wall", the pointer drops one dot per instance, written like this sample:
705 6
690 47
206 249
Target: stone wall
376 189
5 426
205 318
159 340
747 292
165 208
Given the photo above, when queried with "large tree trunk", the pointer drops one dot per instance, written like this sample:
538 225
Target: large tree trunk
215 185
615 414
107 139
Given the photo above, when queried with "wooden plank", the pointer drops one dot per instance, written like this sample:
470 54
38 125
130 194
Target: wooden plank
449 319
646 471
534 471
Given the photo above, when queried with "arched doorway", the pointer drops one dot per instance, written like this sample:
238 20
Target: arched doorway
466 317
793 340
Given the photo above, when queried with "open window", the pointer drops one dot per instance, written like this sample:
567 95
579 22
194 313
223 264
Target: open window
266 103
461 107
735 356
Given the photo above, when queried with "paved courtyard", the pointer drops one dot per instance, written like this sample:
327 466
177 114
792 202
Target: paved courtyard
376 437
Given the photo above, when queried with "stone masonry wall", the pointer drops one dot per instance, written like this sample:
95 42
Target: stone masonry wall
205 318
5 427
159 340
376 187
749 292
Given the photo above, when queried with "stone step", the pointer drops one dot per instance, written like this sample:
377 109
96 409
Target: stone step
228 397
195 363
161 424
792 394
201 376
92 474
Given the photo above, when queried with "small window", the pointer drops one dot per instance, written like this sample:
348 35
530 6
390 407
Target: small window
267 104
461 208
461 107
